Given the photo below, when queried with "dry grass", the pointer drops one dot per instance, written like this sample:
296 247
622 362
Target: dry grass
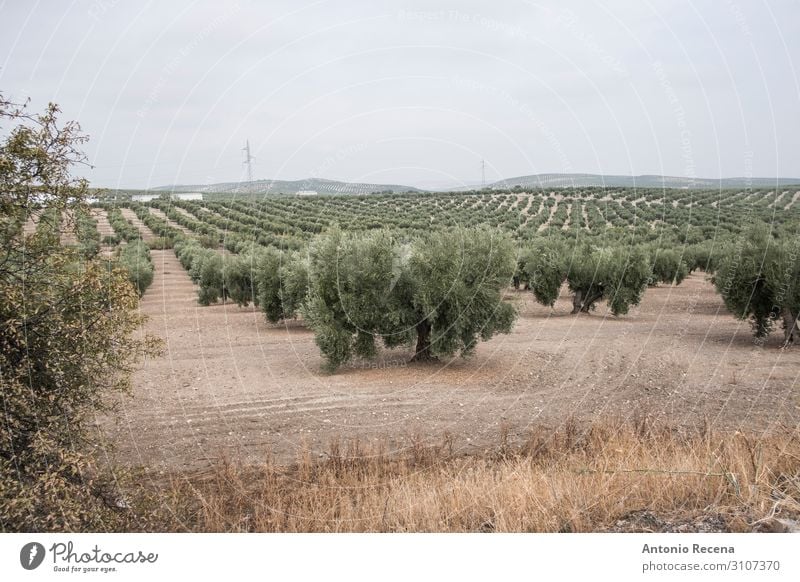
574 480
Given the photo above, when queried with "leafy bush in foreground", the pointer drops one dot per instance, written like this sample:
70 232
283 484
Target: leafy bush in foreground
66 337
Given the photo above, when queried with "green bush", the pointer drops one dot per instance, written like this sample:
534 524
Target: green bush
211 279
67 338
135 259
668 267
122 227
544 267
160 243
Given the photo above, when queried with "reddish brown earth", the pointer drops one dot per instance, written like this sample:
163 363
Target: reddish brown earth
158 213
104 228
103 225
130 215
231 385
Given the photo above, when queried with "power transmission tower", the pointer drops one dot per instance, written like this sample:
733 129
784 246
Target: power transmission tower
483 174
248 161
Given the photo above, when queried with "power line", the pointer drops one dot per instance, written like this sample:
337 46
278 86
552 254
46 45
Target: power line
248 161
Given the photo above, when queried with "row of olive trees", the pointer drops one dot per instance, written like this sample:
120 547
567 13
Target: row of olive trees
134 254
757 273
274 280
440 293
618 274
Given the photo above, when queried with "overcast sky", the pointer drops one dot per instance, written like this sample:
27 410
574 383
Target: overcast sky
413 92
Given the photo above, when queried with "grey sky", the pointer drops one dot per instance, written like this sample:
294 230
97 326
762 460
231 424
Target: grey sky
414 92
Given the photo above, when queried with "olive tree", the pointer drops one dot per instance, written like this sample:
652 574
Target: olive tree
702 256
211 278
440 292
544 267
759 279
239 276
280 279
294 282
668 267
456 282
352 280
618 275
66 333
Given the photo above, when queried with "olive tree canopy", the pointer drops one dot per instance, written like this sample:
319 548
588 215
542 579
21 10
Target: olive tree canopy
440 292
759 279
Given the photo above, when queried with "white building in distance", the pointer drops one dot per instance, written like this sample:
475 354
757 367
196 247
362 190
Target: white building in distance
173 196
307 192
144 197
187 196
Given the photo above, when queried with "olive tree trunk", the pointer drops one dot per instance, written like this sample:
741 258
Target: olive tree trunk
790 327
423 350
590 301
583 303
577 301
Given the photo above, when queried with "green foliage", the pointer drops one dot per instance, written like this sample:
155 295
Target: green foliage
294 283
135 258
49 224
701 256
668 267
267 284
160 243
351 280
122 226
186 249
208 242
618 275
167 234
66 336
211 278
88 236
442 290
456 280
281 280
240 279
205 267
544 267
759 279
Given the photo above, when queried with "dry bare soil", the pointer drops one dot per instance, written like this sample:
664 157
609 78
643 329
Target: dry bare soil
231 386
